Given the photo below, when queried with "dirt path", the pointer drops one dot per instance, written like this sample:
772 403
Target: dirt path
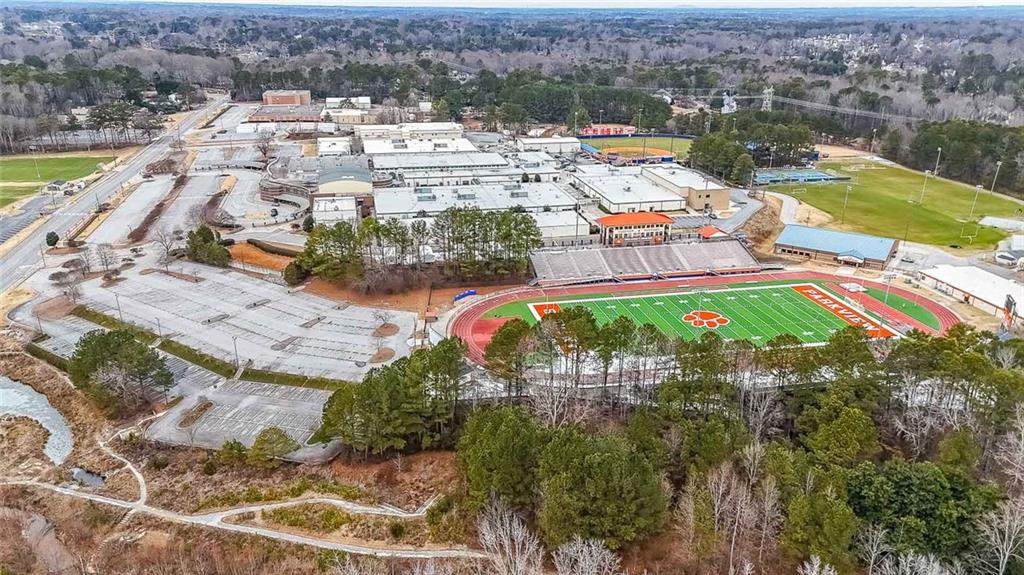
219 519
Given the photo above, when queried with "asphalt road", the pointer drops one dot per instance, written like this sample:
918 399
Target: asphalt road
26 257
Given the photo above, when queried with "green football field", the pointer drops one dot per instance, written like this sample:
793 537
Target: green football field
678 146
23 168
884 200
757 313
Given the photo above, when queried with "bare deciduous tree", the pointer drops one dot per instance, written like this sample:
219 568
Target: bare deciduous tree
263 143
195 216
585 557
815 566
761 412
166 239
912 564
873 546
105 256
555 404
513 549
769 515
1002 534
1011 451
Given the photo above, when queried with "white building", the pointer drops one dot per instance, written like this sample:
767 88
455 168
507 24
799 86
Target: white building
553 145
331 210
407 203
649 188
373 146
396 163
334 146
356 102
410 131
451 170
975 286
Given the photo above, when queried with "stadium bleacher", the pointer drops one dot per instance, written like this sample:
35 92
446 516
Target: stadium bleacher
589 265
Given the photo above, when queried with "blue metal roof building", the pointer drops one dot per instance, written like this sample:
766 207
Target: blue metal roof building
836 246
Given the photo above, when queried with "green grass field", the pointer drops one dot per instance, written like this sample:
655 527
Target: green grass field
755 313
906 306
11 194
678 146
23 168
879 205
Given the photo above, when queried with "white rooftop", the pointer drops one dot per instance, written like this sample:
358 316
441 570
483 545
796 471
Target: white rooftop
398 202
623 185
339 145
439 161
551 140
682 177
416 146
981 284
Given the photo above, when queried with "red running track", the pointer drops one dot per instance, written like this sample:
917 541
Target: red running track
470 325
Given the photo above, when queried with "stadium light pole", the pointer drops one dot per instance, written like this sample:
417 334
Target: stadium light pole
927 173
846 200
234 340
600 116
999 164
977 191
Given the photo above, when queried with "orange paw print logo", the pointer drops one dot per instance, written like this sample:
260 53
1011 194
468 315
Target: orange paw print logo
708 319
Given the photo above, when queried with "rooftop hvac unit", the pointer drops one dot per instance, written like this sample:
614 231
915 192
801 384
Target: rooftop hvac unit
426 197
466 195
627 189
515 186
520 194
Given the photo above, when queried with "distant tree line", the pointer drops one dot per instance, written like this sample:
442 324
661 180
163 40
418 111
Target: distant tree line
970 151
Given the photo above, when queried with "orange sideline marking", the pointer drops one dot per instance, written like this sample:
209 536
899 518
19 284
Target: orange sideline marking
842 311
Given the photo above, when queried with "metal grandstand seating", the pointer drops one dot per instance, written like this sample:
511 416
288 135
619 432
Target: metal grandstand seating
662 260
625 262
631 263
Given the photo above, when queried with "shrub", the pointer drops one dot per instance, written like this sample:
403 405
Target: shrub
52 238
397 530
232 452
210 467
294 274
307 224
159 462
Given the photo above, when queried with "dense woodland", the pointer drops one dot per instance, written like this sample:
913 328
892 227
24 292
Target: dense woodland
391 255
860 456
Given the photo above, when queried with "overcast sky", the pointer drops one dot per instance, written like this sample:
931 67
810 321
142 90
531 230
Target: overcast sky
618 4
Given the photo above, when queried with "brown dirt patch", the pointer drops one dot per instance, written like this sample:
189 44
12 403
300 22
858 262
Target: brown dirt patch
22 441
194 414
841 151
62 251
412 300
54 308
636 151
250 254
765 226
405 482
386 330
11 299
383 354
179 275
811 216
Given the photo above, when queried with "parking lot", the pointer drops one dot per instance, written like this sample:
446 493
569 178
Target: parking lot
271 328
240 410
131 211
